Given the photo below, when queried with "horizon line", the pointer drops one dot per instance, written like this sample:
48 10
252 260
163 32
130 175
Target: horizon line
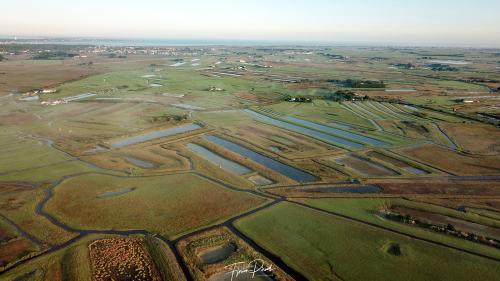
239 41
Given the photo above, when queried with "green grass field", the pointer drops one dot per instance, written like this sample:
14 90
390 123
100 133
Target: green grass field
366 210
320 245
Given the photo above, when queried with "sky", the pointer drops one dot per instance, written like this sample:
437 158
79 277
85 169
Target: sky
386 22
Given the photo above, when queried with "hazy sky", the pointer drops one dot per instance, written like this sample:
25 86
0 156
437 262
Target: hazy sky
411 22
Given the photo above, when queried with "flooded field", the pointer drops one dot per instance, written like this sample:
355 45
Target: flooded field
396 162
306 131
291 172
365 167
155 135
453 62
335 131
79 97
218 160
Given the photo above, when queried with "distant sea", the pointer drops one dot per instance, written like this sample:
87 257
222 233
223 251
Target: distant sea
155 42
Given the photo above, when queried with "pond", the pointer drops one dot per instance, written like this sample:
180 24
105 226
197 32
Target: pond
139 163
453 62
79 97
288 171
217 254
155 135
218 160
335 131
411 107
177 64
306 131
415 171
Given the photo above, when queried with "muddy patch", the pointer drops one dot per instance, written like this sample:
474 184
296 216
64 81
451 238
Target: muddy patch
217 254
116 192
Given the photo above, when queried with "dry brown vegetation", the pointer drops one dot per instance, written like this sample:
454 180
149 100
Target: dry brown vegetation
363 166
251 97
164 160
456 202
122 259
326 173
388 159
16 71
167 205
454 162
439 186
474 138
41 75
13 250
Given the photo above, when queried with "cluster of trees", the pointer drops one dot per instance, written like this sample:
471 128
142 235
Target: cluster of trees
351 83
59 55
168 118
378 59
337 96
404 65
113 55
297 99
355 83
334 56
448 229
441 67
341 95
